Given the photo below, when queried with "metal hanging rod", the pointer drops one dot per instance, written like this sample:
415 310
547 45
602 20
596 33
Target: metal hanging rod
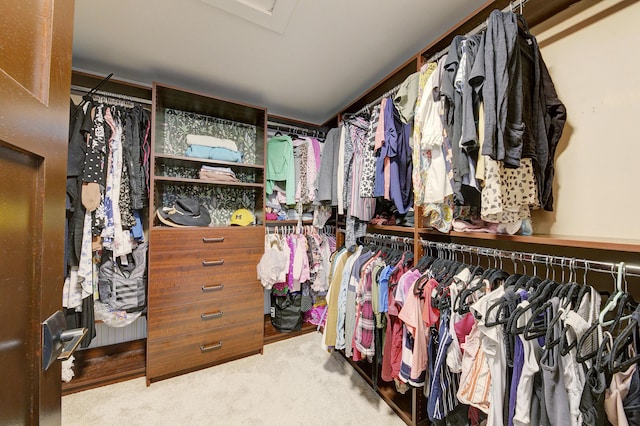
295 129
393 239
512 6
274 228
535 258
370 105
85 90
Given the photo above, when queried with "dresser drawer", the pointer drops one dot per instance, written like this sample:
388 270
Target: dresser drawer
235 308
173 355
236 278
178 263
176 240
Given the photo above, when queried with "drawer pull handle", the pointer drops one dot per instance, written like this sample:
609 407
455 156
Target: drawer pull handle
212 262
213 347
212 240
209 288
212 315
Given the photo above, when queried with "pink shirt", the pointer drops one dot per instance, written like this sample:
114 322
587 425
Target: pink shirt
411 315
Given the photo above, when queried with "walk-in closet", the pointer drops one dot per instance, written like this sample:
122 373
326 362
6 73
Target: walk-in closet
285 212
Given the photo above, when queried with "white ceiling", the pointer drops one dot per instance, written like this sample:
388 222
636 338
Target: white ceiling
325 55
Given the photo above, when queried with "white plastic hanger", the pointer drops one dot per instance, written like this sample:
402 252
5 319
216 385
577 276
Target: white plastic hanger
612 302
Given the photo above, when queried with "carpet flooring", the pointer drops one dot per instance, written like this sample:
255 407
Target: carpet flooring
295 382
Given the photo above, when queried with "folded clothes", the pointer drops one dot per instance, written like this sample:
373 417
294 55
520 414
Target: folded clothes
476 225
212 153
211 141
218 169
223 177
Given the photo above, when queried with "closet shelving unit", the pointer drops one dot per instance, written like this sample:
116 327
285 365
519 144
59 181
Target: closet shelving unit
178 161
285 125
302 128
102 365
411 406
205 304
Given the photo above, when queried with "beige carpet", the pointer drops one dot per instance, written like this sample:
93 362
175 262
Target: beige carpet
295 382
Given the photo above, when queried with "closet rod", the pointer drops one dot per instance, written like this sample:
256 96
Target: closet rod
287 127
536 258
368 106
85 90
389 238
512 6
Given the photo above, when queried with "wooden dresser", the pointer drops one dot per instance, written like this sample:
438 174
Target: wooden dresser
205 303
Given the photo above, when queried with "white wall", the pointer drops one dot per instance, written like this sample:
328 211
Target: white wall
593 56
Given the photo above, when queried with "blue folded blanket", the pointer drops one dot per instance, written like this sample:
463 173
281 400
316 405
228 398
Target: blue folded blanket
214 153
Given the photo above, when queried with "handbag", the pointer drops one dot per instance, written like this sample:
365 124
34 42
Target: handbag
286 312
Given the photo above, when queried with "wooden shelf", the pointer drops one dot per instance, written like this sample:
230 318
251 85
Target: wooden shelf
104 365
611 244
272 335
179 180
287 222
384 229
179 160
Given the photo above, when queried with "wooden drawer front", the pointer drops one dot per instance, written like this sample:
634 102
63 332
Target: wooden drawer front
173 355
194 284
245 307
173 240
189 262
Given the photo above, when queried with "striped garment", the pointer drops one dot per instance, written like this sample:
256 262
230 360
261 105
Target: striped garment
413 362
408 343
364 340
443 384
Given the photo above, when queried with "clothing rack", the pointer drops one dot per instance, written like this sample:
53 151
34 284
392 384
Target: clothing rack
295 129
544 260
389 239
299 229
512 6
329 229
85 90
368 106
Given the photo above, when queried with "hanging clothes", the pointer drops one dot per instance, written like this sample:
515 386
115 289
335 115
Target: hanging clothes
507 349
281 167
105 174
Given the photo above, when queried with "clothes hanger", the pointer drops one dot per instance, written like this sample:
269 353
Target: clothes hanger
511 327
612 302
626 345
584 290
549 340
588 337
418 288
537 324
89 96
464 305
595 327
521 283
602 357
507 308
501 317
